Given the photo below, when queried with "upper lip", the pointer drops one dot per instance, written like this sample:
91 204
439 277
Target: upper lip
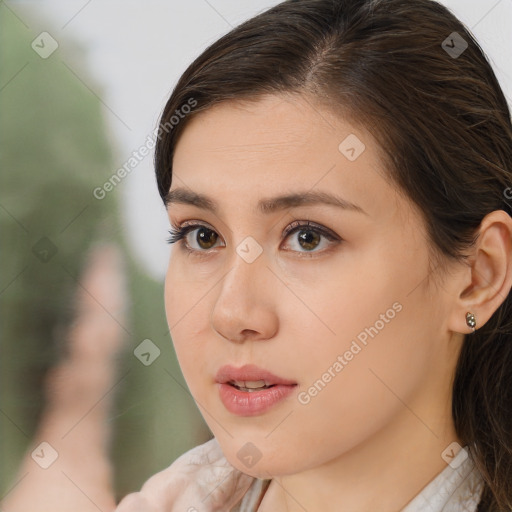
249 372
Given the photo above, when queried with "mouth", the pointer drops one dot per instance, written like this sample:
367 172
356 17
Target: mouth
250 390
250 386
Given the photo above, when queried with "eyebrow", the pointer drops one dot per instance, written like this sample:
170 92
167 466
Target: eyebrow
270 205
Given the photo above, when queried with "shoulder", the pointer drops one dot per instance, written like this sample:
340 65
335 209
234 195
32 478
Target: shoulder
201 475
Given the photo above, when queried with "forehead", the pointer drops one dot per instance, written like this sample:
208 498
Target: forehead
263 128
253 149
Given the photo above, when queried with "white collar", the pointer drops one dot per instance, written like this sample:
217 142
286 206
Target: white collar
457 488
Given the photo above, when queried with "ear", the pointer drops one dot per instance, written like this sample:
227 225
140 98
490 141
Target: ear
487 280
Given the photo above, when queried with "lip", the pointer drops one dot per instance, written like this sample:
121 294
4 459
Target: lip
228 373
244 403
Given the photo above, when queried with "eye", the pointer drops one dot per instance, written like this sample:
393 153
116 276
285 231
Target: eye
196 237
309 236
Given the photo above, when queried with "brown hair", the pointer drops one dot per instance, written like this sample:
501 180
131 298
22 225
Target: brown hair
443 126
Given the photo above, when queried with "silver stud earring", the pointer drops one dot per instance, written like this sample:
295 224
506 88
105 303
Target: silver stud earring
471 320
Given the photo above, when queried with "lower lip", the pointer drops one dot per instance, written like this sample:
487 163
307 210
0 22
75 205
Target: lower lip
251 403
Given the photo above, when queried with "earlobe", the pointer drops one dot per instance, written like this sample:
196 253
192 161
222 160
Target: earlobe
490 273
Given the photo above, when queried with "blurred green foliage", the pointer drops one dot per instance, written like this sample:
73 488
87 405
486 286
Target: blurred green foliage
55 150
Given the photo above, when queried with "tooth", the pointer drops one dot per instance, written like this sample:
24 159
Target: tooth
254 384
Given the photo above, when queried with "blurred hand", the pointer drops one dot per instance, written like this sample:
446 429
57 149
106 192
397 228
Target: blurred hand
79 397
201 480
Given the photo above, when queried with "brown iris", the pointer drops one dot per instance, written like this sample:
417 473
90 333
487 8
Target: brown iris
205 237
309 239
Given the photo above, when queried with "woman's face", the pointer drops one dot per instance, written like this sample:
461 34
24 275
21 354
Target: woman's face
340 311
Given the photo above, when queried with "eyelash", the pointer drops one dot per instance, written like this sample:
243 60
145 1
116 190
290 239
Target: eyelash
179 233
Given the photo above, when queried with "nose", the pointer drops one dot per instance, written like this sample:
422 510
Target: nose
245 308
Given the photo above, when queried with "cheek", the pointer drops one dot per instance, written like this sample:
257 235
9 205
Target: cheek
377 357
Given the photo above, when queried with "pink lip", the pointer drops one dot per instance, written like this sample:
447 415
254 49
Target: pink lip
228 373
244 403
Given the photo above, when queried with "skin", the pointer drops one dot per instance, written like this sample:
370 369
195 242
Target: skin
374 435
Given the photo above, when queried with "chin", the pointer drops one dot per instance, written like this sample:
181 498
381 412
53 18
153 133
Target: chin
251 461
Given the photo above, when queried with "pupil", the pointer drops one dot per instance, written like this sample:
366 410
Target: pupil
206 236
310 239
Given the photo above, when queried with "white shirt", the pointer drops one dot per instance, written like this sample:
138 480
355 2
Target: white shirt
457 488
